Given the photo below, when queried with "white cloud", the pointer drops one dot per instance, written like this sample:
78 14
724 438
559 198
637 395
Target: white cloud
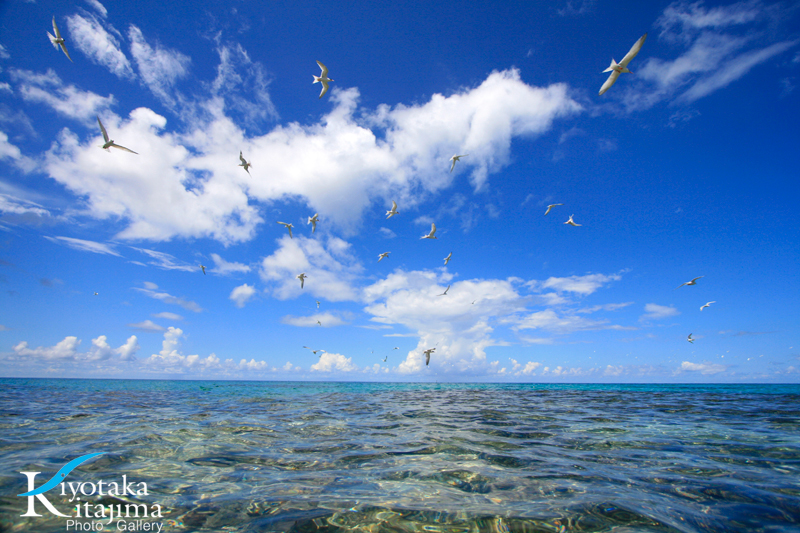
238 75
223 267
703 368
12 152
17 206
583 285
657 312
66 100
85 246
147 325
67 350
166 315
100 8
549 320
721 45
171 360
159 68
333 362
188 185
326 320
331 268
169 299
241 294
93 39
166 261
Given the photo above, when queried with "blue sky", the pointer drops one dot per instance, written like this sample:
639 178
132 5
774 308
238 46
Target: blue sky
687 167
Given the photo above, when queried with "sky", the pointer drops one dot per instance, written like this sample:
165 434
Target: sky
686 167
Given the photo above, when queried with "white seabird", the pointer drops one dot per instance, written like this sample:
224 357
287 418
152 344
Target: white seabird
383 255
551 206
447 259
428 355
693 282
690 339
707 305
317 304
313 351
302 277
572 222
244 163
204 269
58 40
430 235
454 159
445 291
110 143
313 221
617 68
289 227
322 78
392 212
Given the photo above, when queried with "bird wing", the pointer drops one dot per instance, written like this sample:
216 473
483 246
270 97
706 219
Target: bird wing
64 47
633 51
115 145
609 82
433 229
427 358
453 159
324 88
289 227
55 28
241 158
394 206
105 134
325 69
549 207
695 279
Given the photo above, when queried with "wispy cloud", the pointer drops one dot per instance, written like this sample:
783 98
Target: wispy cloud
147 325
94 38
67 100
224 267
657 312
84 245
169 299
703 368
158 67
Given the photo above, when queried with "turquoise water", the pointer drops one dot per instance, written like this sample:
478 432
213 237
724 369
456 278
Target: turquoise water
335 457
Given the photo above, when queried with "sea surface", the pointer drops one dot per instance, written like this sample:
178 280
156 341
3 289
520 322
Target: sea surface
408 457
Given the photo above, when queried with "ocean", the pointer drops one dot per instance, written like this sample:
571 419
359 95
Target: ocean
399 457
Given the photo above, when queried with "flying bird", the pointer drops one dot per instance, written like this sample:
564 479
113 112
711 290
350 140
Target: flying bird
693 282
313 221
204 269
319 323
110 143
385 358
690 339
244 163
617 68
302 277
383 255
317 304
289 227
58 40
393 211
454 159
707 305
428 355
447 259
95 294
551 206
313 351
322 78
430 235
445 291
571 222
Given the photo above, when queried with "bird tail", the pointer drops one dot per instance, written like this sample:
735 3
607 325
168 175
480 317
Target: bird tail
52 40
610 68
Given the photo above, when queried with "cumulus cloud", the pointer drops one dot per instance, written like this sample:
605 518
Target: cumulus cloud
170 359
67 350
187 186
242 294
333 362
583 285
331 268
